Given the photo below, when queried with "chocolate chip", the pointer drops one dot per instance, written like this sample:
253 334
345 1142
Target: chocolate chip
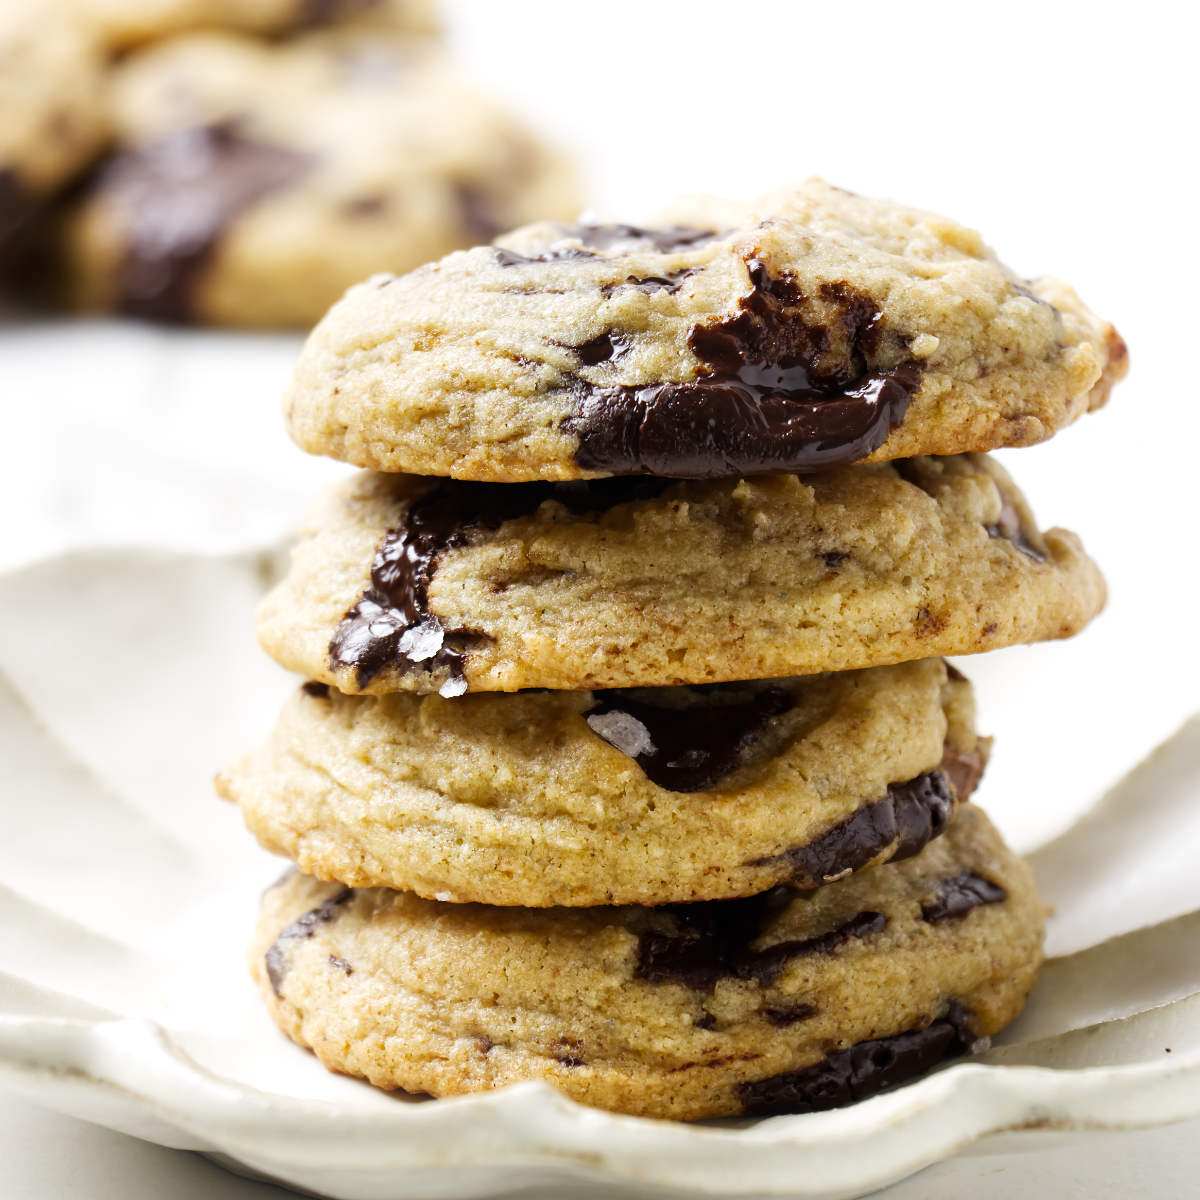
175 198
1024 291
593 238
964 769
1010 527
787 389
664 240
391 625
908 817
303 927
766 965
708 941
834 558
605 347
863 1070
791 1015
956 897
318 691
686 749
649 284
510 258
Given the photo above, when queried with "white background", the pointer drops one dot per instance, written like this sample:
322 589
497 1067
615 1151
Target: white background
1066 132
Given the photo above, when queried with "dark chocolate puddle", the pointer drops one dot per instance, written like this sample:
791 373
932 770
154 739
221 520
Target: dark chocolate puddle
303 927
783 392
955 897
391 625
685 749
863 1070
176 197
711 941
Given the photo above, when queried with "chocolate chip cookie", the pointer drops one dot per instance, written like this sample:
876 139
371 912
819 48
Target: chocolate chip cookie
814 328
405 584
255 181
782 1002
643 796
52 112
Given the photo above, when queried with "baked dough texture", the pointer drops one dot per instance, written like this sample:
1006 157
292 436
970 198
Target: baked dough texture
785 1002
654 796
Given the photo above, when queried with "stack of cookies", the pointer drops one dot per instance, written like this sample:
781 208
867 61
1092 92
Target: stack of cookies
627 758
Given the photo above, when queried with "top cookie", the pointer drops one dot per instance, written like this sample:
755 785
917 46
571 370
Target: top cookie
814 328
126 23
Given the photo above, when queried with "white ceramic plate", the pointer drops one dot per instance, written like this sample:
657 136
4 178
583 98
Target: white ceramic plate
127 893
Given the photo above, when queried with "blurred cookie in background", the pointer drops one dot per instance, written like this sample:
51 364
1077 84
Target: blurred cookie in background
253 182
53 120
123 24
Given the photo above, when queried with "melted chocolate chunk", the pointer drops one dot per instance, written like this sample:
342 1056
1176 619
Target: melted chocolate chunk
865 1069
711 941
649 284
685 749
956 897
176 197
664 240
604 348
784 392
964 769
391 625
303 927
908 817
765 965
593 238
792 1015
318 691
1012 529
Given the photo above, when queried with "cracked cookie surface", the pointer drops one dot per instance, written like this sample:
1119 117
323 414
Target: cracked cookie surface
780 1002
403 584
254 181
815 327
652 796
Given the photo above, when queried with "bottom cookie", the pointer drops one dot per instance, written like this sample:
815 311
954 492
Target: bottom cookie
783 1002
